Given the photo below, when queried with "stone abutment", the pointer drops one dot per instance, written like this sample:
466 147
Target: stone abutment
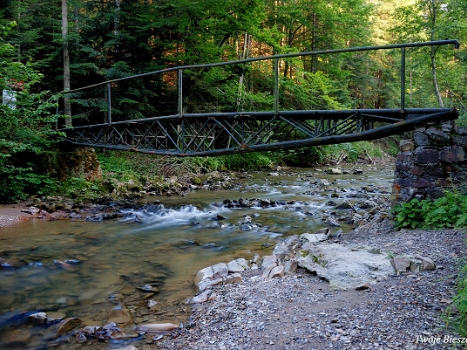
432 161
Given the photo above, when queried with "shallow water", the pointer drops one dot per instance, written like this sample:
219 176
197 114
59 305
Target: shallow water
87 269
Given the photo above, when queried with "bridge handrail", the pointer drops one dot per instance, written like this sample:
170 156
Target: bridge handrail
275 59
264 58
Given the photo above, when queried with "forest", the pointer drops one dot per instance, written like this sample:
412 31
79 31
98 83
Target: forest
48 47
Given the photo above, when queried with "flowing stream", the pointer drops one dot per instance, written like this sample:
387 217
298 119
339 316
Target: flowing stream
87 269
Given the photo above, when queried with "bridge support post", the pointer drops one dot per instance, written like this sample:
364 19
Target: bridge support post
432 161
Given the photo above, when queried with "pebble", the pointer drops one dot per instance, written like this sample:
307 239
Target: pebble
294 312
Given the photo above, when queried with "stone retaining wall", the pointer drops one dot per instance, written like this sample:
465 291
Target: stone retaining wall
433 160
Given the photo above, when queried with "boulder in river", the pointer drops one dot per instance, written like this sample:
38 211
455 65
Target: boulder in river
335 171
120 317
38 317
200 298
344 205
234 266
214 271
67 325
268 263
286 249
148 288
277 271
330 221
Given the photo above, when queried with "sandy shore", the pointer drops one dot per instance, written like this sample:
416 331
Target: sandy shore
11 214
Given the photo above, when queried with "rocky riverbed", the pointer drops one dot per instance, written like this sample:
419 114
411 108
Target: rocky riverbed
298 310
301 311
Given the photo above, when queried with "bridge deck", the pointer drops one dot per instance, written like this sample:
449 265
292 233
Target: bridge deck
224 133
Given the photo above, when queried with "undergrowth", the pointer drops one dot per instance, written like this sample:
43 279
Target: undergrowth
444 212
348 152
22 181
126 165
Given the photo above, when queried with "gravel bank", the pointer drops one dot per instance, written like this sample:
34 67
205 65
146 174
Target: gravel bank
11 215
301 312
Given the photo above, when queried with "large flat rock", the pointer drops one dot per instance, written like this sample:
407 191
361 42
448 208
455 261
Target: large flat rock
345 267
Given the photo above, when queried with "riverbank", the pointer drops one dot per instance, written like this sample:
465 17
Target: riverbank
301 311
11 214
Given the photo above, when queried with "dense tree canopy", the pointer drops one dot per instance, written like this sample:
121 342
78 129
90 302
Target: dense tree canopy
109 39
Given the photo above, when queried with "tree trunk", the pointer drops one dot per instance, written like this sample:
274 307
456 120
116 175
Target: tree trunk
241 84
435 79
117 25
66 63
433 53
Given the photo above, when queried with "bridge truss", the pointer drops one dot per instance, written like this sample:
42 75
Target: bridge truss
194 135
205 134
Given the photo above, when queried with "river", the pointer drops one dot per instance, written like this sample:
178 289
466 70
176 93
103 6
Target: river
87 269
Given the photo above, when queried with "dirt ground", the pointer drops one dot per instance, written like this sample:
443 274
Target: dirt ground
11 214
406 311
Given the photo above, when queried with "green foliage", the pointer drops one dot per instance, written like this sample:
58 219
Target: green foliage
460 304
142 168
311 91
82 189
410 214
125 166
210 163
18 183
25 129
447 211
303 157
113 39
236 162
114 163
247 161
440 20
349 152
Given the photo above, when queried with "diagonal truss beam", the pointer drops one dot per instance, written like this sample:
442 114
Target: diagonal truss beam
225 133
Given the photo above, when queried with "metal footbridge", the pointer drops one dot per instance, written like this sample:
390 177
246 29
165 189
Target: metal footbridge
216 133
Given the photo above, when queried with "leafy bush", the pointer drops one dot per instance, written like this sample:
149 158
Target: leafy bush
247 161
18 183
444 212
26 128
410 214
80 188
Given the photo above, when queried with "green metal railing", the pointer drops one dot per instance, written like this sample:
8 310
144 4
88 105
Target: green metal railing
206 133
